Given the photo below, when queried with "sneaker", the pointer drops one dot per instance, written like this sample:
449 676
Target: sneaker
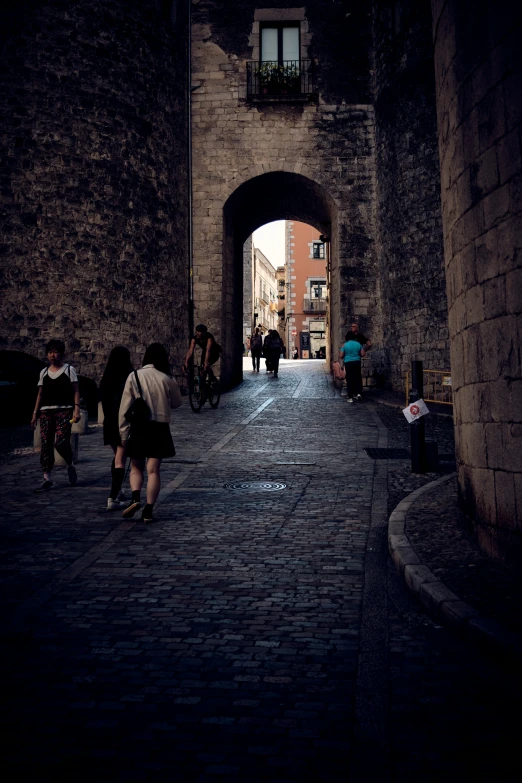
73 477
131 509
121 496
44 486
112 505
349 399
358 396
146 515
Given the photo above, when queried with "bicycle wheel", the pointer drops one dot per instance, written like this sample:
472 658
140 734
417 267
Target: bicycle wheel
196 394
214 393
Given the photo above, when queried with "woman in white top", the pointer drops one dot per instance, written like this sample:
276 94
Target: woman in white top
153 441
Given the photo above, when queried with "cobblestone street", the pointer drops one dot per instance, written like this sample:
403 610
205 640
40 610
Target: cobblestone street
247 635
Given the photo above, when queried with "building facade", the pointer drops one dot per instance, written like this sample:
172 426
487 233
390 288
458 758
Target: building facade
260 302
307 292
265 293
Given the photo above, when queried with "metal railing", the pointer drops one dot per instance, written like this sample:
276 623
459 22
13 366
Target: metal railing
289 77
437 387
314 305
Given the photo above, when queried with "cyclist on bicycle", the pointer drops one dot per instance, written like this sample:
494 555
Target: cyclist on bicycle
210 350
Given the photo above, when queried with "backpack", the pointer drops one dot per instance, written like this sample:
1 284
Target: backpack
256 341
275 341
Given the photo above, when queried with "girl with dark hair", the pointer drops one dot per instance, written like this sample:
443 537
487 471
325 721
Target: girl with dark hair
57 406
153 441
118 369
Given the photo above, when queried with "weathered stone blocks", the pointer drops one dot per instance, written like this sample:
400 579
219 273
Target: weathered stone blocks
479 98
94 159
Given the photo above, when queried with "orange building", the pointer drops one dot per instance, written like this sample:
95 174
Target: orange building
306 291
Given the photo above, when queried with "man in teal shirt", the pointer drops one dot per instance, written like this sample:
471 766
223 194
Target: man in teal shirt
351 354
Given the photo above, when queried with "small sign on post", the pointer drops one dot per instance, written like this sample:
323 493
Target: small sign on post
415 410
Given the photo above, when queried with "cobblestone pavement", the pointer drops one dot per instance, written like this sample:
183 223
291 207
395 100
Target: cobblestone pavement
245 635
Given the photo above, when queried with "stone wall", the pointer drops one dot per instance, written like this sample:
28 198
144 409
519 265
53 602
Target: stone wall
281 153
409 223
479 103
94 177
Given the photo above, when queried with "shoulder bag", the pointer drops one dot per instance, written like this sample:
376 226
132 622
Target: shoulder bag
138 414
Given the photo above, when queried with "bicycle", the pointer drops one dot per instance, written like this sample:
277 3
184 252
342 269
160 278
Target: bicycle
202 390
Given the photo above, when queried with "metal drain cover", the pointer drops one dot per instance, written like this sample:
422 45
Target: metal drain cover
257 486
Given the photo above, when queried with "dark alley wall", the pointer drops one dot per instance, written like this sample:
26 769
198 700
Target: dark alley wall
410 262
478 71
94 177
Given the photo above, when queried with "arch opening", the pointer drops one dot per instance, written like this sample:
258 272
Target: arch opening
260 200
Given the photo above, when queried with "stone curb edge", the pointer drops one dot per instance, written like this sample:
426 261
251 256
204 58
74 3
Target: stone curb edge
438 599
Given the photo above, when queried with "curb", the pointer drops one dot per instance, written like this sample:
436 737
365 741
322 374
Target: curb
438 599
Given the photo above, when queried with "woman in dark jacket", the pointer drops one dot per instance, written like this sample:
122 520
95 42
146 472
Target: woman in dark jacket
118 369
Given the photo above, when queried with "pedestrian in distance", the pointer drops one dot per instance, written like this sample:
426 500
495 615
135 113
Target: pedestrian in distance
256 347
272 347
152 442
351 354
57 406
355 334
118 369
295 354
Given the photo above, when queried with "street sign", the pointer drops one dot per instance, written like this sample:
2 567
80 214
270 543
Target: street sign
415 410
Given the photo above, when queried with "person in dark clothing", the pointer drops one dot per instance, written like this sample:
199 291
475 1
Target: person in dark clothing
57 406
256 346
355 334
210 349
272 350
295 354
118 369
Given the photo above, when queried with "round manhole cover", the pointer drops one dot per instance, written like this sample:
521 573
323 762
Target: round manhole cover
257 486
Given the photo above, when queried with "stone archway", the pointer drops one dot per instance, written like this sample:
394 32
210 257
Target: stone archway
277 195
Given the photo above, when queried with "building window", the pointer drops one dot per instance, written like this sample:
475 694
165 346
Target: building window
280 43
280 69
317 250
317 289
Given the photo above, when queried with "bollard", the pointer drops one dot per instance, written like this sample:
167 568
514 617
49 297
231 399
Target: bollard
417 431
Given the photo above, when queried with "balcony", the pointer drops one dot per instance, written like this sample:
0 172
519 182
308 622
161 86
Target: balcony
287 80
314 305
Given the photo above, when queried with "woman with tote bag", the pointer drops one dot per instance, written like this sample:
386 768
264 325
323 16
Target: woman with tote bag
150 441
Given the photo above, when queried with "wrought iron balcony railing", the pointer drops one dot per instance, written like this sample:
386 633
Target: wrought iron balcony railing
314 305
287 78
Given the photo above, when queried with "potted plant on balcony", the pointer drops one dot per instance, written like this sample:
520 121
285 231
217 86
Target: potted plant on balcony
276 79
290 78
268 77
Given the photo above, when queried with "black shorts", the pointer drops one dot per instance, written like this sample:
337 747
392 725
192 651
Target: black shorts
154 440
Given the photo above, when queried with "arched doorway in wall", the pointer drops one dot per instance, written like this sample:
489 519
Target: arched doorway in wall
273 196
285 285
